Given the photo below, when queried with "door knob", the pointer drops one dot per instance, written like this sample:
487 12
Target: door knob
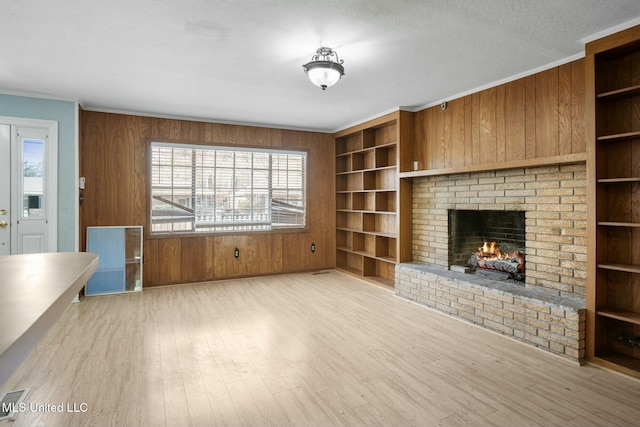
3 224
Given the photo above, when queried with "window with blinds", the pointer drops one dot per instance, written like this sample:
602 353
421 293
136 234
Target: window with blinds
216 189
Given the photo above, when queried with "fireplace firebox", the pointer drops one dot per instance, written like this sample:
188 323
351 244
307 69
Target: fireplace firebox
488 241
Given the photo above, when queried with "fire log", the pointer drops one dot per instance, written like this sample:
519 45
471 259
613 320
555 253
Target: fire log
507 265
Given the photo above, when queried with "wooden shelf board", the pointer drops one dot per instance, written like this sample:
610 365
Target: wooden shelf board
350 230
367 254
365 149
384 234
542 161
367 212
618 224
381 168
374 147
351 191
377 280
619 93
387 145
356 171
375 233
348 153
349 270
625 316
619 136
618 180
619 362
620 267
378 190
389 259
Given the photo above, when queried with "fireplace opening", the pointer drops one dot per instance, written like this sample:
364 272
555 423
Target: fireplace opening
488 242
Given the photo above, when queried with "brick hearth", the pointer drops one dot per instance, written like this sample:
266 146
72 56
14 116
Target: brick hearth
536 317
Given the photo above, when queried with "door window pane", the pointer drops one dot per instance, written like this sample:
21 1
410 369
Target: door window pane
33 178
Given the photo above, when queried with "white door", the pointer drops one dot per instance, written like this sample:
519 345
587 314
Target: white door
5 189
28 186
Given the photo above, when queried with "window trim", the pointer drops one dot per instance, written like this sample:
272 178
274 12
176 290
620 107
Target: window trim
230 147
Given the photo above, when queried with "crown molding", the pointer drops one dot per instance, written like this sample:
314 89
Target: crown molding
612 30
205 120
500 82
37 95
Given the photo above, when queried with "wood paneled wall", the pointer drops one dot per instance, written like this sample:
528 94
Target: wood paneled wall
539 116
113 159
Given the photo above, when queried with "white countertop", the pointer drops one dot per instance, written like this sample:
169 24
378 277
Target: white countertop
34 291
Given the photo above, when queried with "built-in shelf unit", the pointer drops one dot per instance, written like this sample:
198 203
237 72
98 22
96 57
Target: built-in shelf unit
613 164
369 198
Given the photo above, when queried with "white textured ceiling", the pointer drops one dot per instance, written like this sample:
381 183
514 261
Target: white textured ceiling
241 61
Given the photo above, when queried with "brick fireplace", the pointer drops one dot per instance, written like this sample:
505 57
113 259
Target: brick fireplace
548 309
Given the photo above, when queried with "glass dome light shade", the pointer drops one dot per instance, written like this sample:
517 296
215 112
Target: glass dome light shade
324 74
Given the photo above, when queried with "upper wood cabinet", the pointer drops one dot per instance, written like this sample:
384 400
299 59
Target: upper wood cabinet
613 167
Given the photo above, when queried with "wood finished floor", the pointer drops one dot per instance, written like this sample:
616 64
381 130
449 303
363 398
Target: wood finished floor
301 349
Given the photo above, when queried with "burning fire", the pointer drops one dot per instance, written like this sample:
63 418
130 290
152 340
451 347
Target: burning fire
491 251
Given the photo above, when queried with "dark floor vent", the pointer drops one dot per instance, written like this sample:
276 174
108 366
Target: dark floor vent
315 273
11 402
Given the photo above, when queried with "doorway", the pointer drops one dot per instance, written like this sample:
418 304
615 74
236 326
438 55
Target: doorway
28 186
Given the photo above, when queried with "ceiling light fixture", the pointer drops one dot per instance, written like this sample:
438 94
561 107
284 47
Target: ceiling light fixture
323 70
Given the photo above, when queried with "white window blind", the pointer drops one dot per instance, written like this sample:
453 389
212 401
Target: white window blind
217 189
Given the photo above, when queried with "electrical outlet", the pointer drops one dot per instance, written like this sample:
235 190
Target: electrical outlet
236 253
313 248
